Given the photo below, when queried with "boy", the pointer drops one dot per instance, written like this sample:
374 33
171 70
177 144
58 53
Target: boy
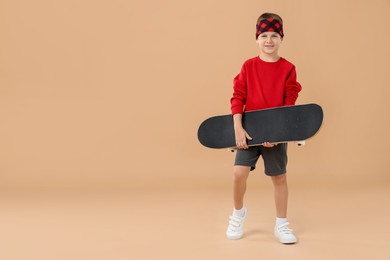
265 81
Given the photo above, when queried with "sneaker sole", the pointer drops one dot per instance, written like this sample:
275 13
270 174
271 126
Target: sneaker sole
286 241
234 237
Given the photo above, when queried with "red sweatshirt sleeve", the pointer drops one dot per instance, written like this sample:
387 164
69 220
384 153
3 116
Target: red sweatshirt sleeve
292 88
239 92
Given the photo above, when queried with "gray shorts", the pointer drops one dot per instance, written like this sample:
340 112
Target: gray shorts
275 158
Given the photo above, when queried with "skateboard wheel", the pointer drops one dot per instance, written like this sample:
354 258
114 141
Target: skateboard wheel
301 143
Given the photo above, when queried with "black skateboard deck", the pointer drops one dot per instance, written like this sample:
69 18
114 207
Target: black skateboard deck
274 125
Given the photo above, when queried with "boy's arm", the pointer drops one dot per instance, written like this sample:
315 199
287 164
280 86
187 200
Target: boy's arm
237 107
292 88
240 134
238 99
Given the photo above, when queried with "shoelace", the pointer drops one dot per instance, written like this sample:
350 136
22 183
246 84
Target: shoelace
234 223
284 228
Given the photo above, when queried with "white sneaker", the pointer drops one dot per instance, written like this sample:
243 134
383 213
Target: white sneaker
285 234
235 229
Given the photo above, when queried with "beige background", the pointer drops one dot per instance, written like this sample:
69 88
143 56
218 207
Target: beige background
102 99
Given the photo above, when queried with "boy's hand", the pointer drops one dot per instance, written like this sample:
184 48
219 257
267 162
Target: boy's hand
241 136
267 144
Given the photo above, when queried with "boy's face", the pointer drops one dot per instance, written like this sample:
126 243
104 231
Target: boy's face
269 42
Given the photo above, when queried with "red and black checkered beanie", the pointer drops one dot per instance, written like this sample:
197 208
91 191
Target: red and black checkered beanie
269 25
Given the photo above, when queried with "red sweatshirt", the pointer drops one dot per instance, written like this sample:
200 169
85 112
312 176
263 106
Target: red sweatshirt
262 85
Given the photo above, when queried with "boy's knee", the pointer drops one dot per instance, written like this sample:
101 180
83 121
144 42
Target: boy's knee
241 173
279 179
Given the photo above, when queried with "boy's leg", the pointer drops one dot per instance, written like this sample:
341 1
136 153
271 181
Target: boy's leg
245 162
235 229
280 194
275 161
282 230
241 174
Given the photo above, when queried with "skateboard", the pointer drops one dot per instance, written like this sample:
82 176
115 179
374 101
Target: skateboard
275 125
